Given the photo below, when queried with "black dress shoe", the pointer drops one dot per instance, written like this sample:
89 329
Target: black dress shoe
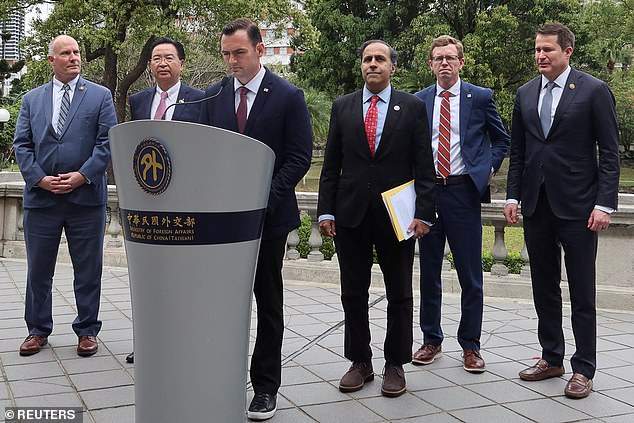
130 357
263 406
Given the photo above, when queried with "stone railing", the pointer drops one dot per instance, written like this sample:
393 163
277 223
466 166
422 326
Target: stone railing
615 260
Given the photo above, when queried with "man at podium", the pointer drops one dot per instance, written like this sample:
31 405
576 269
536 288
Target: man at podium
261 105
167 57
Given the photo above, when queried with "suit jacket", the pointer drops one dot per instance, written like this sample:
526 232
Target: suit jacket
141 104
351 178
566 160
483 140
82 146
278 118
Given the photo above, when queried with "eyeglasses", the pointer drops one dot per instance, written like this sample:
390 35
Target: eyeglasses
449 59
168 59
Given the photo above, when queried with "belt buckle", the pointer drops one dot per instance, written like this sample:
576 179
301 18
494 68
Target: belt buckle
444 181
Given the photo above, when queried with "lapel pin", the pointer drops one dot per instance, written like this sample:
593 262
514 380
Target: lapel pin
397 108
82 88
266 90
469 95
572 86
182 100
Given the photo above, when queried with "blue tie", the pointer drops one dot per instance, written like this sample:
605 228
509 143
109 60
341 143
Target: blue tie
547 105
64 108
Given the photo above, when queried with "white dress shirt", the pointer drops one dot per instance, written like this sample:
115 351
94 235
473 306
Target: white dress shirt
58 93
172 97
457 166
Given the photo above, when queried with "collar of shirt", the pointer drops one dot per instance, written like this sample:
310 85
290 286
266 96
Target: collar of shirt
560 80
57 84
254 87
58 92
457 164
384 95
557 92
172 94
454 89
381 108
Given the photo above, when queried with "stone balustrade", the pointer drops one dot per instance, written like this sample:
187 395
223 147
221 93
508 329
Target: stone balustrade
615 260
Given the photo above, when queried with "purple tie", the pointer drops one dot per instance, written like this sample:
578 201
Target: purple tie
160 111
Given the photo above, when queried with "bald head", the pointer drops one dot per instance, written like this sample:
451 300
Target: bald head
65 59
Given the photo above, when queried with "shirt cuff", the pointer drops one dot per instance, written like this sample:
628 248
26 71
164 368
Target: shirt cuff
326 217
511 201
608 210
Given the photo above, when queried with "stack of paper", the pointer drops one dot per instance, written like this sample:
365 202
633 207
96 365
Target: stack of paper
401 205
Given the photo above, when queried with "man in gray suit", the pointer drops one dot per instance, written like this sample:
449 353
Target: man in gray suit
61 146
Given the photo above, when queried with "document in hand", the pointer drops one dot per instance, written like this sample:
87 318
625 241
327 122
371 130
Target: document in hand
400 202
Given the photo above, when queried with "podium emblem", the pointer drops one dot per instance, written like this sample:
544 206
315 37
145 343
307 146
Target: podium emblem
152 166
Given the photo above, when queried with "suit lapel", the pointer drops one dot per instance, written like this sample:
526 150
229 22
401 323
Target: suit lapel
182 96
78 96
573 84
466 101
531 102
428 96
391 119
48 106
146 102
267 87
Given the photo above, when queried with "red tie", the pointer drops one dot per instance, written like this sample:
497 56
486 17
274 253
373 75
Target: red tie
241 113
444 137
371 119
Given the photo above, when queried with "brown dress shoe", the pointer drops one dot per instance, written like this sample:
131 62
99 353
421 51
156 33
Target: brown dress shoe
427 354
358 374
472 361
578 386
87 345
393 381
540 371
33 344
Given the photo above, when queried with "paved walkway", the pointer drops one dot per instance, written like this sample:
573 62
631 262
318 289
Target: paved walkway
441 392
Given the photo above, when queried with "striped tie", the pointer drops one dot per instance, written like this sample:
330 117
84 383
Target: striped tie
444 136
64 108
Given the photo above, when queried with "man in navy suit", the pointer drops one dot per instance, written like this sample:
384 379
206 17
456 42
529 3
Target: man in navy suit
469 147
167 57
61 145
560 120
378 139
262 105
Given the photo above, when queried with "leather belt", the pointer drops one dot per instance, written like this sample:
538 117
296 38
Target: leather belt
452 180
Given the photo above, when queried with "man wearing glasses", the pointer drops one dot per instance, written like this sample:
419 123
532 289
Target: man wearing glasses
166 64
469 143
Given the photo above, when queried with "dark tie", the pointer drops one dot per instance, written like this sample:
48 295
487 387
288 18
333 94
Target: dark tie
444 136
162 107
371 120
64 108
241 113
547 105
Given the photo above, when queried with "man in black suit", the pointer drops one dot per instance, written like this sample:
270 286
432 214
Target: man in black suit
167 58
166 64
560 119
262 105
378 139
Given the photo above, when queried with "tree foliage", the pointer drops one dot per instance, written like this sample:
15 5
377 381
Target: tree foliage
115 35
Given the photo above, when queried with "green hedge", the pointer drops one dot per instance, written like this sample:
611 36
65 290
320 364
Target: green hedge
513 260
